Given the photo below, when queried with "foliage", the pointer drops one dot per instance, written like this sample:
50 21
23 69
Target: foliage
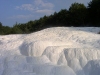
77 13
0 24
94 12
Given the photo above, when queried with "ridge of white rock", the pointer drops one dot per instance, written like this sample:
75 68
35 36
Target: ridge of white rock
52 51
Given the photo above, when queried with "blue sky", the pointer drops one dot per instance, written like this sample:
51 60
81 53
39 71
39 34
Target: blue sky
22 11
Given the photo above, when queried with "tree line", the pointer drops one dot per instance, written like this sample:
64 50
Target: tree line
78 15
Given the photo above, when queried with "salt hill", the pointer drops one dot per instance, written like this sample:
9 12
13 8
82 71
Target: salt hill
52 51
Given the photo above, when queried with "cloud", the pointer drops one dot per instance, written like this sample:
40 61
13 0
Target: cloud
44 7
45 11
21 16
38 6
25 7
41 4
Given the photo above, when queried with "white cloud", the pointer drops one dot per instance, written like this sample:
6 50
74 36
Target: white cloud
25 7
38 6
42 4
45 11
44 7
21 16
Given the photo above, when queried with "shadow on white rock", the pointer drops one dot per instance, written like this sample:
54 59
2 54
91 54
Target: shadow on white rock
34 48
92 67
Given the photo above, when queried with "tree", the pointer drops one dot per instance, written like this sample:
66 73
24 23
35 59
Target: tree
94 12
0 24
1 28
6 30
63 17
77 13
16 29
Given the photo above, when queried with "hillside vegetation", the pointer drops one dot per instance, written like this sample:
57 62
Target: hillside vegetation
78 15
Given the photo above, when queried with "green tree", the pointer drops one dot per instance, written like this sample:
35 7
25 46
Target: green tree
6 30
63 16
0 24
16 30
77 13
94 12
1 32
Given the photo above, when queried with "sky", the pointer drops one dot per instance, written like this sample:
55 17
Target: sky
22 11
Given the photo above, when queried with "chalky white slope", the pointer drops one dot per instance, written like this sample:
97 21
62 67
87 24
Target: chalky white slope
52 51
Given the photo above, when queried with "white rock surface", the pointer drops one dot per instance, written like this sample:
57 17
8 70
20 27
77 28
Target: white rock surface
52 51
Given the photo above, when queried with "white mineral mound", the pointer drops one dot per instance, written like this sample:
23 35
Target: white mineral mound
52 51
